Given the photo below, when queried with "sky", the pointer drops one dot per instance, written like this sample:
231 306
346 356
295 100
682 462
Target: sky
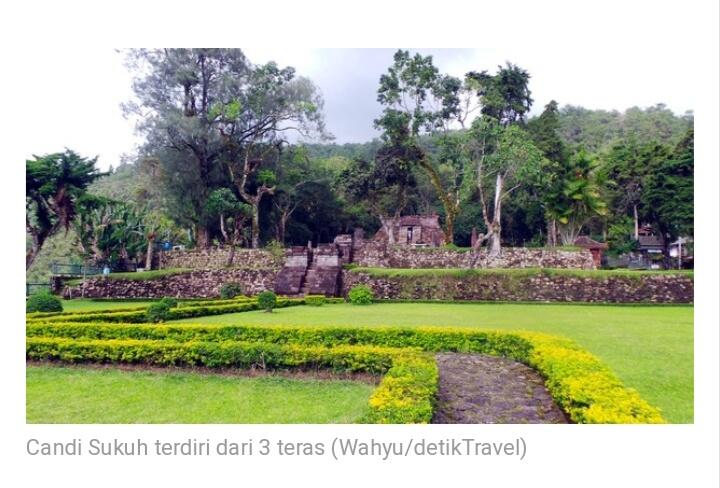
81 107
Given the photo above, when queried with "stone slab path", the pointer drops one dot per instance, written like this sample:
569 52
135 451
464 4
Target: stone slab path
477 389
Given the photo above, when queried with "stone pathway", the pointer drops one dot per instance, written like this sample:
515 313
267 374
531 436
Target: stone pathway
476 389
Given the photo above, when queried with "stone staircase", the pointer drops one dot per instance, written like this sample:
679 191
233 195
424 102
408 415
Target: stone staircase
311 272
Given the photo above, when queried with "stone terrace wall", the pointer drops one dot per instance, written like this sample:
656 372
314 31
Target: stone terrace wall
195 284
216 258
376 255
532 287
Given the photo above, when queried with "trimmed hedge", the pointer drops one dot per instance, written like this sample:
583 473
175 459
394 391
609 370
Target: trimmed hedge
583 386
315 300
405 395
139 316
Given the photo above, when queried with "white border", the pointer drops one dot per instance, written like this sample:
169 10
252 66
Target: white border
674 455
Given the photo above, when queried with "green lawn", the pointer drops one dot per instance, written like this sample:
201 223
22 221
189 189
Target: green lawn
86 305
649 347
84 395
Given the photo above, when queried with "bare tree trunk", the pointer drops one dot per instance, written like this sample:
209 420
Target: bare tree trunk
32 254
552 232
637 223
283 224
149 253
495 230
255 223
202 236
388 225
231 255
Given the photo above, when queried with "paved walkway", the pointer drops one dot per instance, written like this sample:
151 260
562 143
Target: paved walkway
477 389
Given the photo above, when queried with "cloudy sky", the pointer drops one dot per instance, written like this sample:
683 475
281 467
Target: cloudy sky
81 106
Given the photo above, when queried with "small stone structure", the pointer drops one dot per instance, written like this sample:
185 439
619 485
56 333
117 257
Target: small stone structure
413 230
596 248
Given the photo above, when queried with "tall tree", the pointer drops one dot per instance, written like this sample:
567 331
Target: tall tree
501 149
545 132
177 94
255 121
418 101
668 192
53 185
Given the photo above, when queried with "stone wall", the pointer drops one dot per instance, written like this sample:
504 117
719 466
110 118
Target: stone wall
376 255
531 286
217 257
194 284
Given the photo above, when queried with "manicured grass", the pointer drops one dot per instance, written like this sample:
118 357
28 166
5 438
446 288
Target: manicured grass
85 395
649 347
85 305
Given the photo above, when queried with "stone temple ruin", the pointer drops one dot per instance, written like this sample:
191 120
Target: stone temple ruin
412 230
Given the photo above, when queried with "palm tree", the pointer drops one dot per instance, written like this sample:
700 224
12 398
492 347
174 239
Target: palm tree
578 199
53 183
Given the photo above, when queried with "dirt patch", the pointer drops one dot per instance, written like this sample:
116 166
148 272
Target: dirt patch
476 389
302 374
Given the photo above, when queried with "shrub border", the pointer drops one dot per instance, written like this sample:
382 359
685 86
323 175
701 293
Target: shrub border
586 389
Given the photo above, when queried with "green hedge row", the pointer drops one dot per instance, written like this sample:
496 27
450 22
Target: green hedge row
582 385
139 316
406 394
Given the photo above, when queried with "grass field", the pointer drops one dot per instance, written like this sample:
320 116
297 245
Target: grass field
84 395
649 347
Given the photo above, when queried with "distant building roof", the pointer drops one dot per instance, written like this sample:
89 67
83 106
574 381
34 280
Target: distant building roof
650 242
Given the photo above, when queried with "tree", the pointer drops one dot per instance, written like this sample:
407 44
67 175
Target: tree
178 92
505 159
382 184
232 214
294 173
255 120
668 192
418 101
501 150
545 132
579 199
109 232
53 185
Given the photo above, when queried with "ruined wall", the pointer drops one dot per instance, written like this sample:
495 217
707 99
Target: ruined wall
217 257
530 286
376 255
194 284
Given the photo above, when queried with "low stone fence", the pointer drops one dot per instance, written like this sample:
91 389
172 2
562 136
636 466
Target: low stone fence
194 284
533 285
377 255
217 258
